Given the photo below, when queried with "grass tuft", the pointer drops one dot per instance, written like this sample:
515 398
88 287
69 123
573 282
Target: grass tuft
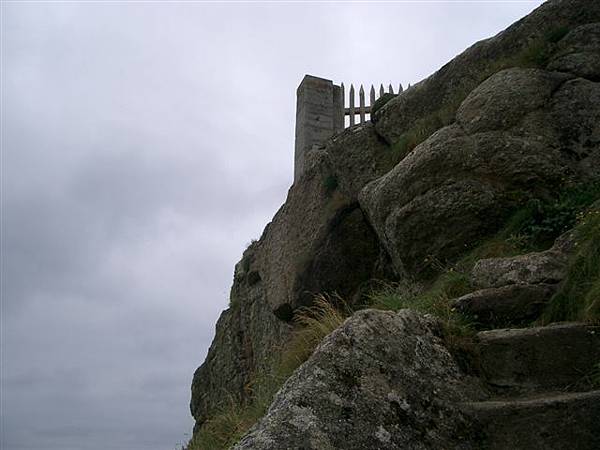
235 418
578 297
435 300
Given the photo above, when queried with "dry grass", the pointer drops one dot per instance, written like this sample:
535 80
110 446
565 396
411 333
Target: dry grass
235 418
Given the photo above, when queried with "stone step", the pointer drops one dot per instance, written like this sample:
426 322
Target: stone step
510 305
551 422
540 358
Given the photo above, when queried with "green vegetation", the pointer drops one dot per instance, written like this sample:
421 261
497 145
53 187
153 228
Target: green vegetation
236 417
544 220
381 101
535 55
579 295
434 301
531 227
330 183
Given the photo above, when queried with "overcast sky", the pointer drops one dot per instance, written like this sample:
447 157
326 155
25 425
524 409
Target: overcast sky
143 146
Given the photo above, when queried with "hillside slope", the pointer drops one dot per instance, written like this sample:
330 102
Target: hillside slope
442 168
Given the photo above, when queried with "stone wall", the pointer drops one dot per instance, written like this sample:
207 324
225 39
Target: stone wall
319 114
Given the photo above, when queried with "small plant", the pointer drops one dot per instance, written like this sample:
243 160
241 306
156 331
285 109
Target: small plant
434 301
542 221
330 183
557 34
313 323
235 418
595 376
381 101
578 297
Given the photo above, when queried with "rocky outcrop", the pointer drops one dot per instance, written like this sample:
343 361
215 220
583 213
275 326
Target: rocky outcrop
319 241
246 335
383 380
551 357
515 290
355 215
437 96
514 304
508 144
549 266
578 53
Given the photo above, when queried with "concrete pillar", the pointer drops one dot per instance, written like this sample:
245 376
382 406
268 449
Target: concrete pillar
318 113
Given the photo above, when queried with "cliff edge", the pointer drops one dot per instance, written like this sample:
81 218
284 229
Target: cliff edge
493 141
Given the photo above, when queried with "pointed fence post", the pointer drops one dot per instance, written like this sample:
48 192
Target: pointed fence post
372 97
351 106
381 90
343 106
361 102
400 89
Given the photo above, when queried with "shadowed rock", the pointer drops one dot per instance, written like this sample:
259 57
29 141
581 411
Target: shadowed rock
554 356
553 422
507 305
579 53
383 380
549 266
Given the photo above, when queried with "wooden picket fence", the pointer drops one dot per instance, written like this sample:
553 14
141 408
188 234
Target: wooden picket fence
363 109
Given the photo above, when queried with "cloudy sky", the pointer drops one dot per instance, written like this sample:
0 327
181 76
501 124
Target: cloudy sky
143 146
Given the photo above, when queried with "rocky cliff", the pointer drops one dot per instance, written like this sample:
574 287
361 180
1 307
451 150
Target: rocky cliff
440 169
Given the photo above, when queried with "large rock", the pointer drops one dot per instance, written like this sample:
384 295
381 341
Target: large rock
507 305
553 421
501 102
246 335
551 357
436 97
382 380
461 183
579 52
319 241
549 266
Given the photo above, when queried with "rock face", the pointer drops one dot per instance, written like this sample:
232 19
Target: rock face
246 334
319 241
356 215
465 72
549 266
578 53
507 305
549 357
507 144
382 380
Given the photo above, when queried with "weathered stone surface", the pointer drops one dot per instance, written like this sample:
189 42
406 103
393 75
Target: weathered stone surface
383 380
246 335
549 266
319 241
507 305
465 72
453 189
501 101
460 184
575 117
554 356
579 52
357 156
551 422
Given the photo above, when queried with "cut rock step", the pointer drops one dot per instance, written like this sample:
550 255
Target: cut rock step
553 422
543 357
